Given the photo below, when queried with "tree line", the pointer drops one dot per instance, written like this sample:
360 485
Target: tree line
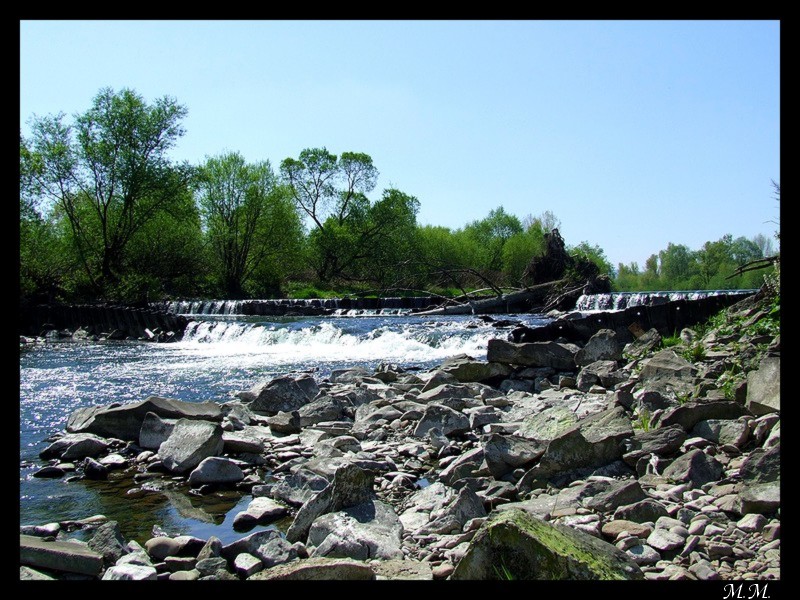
106 214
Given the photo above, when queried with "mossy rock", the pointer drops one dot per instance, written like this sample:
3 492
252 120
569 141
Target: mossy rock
515 545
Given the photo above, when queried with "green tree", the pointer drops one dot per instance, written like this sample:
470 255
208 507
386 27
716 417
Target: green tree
108 174
490 235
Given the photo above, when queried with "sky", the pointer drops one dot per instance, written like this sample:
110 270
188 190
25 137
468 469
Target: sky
633 133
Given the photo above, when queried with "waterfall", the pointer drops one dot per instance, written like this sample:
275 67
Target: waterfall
623 300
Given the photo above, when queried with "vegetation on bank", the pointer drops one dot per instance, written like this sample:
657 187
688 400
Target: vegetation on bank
105 213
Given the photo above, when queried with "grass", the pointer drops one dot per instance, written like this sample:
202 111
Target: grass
673 340
695 352
643 421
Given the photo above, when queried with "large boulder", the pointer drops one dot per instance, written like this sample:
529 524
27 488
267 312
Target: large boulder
723 431
665 364
548 424
447 420
663 442
74 446
370 530
603 372
438 506
282 394
69 557
691 413
155 431
764 387
324 408
695 466
216 470
533 354
466 369
108 541
189 444
762 466
515 545
504 453
260 511
603 345
125 422
318 569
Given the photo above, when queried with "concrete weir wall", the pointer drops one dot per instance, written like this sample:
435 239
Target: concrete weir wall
98 319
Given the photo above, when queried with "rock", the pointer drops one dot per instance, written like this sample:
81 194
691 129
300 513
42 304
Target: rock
466 369
130 573
94 470
643 511
282 394
155 431
762 466
437 504
285 422
247 564
643 555
515 545
75 446
69 557
160 547
652 400
325 408
350 486
369 415
318 569
299 487
260 511
548 424
211 549
616 493
190 442
703 570
108 541
752 522
723 431
614 528
49 472
125 422
665 364
28 574
604 372
251 439
216 470
517 385
402 570
447 420
466 465
690 414
764 498
663 442
504 453
764 387
695 466
191 575
209 566
365 531
533 354
772 532
664 540
602 345
113 461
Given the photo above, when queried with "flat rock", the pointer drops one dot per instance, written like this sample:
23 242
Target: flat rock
764 387
532 354
28 574
514 544
365 531
504 453
216 470
643 554
260 511
612 529
75 446
695 466
281 394
130 573
644 511
403 570
548 424
155 431
318 569
664 441
664 540
69 557
723 431
665 364
764 498
446 420
466 369
691 413
247 564
190 442
762 466
108 541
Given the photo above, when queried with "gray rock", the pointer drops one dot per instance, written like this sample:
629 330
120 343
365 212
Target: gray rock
447 420
189 444
108 541
275 550
466 369
665 364
252 439
325 408
113 461
155 431
350 486
764 387
517 385
644 344
616 493
723 431
260 511
403 570
604 372
216 470
318 569
125 422
49 472
664 540
209 566
690 414
548 424
764 498
369 415
762 466
75 446
280 394
211 549
130 573
285 422
466 465
603 345
191 575
160 547
28 574
652 400
504 453
643 555
752 522
514 544
365 531
703 570
69 557
644 511
94 470
247 564
695 466
299 487
663 442
534 354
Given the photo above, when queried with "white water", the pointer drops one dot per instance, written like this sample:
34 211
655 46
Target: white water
623 300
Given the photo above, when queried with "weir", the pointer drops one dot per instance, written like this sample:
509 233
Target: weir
623 300
290 306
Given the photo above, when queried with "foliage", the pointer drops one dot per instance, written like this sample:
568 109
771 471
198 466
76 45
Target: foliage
673 340
643 420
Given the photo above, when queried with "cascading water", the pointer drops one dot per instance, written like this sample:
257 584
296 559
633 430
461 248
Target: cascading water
623 300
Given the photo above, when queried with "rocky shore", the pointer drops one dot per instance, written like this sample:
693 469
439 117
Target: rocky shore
653 459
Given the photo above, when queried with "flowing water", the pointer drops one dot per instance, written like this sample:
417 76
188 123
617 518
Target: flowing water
218 355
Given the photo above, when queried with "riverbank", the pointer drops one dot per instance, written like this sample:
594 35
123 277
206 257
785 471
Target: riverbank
660 457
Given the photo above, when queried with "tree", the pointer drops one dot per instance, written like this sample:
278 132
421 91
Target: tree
249 219
490 235
108 174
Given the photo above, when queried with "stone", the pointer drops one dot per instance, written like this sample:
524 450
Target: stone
603 372
49 472
211 549
644 343
703 570
190 442
723 431
113 461
324 408
513 544
691 413
260 511
317 569
402 570
761 466
28 574
365 531
614 528
299 486
155 431
350 486
69 557
533 354
130 573
285 422
665 364
664 441
75 446
664 540
216 470
247 564
466 465
447 420
504 453
430 507
644 511
282 394
695 466
764 387
125 422
161 547
466 369
252 439
209 566
772 532
108 541
548 424
603 345
94 470
617 493
191 575
642 554
764 498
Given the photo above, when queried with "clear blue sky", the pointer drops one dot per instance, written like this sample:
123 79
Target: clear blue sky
634 134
